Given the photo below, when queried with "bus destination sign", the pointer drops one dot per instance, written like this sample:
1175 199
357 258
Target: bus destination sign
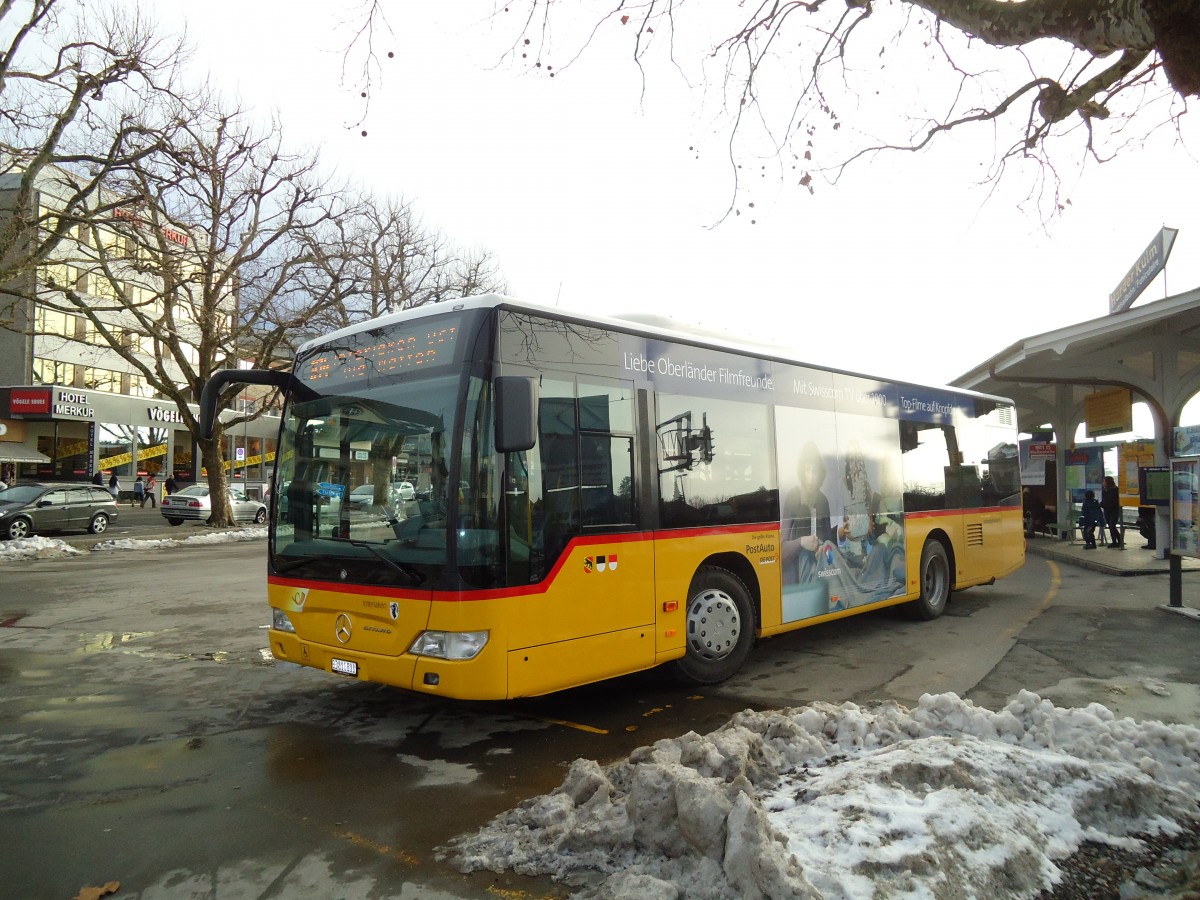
381 353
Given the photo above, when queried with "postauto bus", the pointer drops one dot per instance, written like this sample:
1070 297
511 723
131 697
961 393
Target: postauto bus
589 497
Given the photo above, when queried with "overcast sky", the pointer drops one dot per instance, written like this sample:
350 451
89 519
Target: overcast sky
588 195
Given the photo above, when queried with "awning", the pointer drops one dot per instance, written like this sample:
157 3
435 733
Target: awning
14 451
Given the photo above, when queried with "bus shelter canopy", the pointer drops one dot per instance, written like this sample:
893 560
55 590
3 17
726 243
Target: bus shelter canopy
1153 349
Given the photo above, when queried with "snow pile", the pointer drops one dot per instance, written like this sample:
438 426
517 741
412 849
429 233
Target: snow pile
215 537
36 547
839 801
39 547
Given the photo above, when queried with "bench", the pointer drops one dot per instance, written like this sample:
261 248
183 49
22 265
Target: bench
1071 526
1067 528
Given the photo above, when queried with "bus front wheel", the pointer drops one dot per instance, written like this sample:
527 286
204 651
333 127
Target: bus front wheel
719 627
935 583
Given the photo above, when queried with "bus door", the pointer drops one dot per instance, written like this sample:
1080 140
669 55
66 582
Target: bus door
573 517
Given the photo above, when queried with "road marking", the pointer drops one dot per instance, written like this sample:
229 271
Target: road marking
401 856
1051 593
510 893
563 722
1055 582
358 840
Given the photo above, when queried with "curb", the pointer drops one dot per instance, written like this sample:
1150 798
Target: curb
1095 561
88 542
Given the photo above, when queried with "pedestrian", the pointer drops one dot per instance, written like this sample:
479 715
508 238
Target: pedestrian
170 485
152 491
139 493
1110 503
114 487
98 478
1091 516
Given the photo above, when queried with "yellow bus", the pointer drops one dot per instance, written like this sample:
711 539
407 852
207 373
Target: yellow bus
489 499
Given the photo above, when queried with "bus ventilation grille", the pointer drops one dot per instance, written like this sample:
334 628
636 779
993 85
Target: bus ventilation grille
975 535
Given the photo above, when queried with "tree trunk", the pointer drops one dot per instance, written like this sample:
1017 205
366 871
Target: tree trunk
218 483
1177 39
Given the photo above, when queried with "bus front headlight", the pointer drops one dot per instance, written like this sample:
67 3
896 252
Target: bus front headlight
280 621
449 644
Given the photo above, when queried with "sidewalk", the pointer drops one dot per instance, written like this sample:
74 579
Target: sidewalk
136 523
1133 560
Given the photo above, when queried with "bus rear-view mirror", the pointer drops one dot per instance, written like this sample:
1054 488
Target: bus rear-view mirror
516 413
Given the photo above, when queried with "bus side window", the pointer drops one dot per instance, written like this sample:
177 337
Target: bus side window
559 451
607 479
926 462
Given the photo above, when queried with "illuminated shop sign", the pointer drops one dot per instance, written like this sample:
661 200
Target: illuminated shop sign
73 404
28 402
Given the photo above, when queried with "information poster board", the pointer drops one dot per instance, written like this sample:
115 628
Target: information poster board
1034 454
1108 412
1155 484
1185 507
1085 471
1132 456
1187 440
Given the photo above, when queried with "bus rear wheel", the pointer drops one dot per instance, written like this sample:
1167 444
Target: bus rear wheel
935 583
719 627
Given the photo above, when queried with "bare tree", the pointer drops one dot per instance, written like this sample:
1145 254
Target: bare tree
813 85
64 78
200 258
381 258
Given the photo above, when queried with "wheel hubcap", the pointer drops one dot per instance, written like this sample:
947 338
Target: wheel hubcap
935 579
713 625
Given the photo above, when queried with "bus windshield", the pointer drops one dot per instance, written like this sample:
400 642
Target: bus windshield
362 479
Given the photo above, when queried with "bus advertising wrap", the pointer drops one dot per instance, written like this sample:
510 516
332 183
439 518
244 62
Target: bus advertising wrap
680 368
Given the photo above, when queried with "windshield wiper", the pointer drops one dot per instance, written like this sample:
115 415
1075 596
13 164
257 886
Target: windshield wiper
295 564
415 577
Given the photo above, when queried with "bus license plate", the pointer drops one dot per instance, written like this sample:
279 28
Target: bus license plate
345 667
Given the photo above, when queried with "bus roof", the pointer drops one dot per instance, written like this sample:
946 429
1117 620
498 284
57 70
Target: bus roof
637 323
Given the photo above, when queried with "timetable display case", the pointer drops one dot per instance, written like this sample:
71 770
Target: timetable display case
1185 506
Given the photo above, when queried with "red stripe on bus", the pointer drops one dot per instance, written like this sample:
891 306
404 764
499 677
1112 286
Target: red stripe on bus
623 537
541 587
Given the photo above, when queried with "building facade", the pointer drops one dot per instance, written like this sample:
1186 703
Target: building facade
76 402
53 432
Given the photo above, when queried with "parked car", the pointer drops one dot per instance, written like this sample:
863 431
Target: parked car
33 507
363 496
193 504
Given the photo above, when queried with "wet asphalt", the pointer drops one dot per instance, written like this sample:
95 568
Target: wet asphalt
147 738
